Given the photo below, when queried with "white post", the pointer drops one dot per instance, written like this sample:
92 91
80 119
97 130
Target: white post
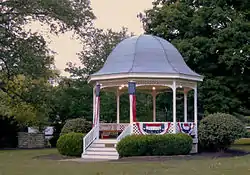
154 105
132 101
94 96
118 107
195 110
174 106
185 105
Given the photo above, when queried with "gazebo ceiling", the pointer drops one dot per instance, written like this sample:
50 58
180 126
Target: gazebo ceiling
144 89
145 56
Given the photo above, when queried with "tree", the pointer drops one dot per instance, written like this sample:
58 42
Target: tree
71 99
26 63
96 48
213 36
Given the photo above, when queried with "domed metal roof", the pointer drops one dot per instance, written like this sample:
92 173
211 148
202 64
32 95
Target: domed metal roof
146 54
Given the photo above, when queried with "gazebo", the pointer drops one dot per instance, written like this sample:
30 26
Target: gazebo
149 64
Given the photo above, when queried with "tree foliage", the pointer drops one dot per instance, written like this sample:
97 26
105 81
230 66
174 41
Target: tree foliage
71 99
213 36
96 48
26 62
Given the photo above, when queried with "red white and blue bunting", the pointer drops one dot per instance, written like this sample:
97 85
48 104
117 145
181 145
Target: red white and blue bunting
153 128
97 105
186 128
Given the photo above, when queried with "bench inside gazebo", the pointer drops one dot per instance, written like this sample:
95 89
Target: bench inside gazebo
148 64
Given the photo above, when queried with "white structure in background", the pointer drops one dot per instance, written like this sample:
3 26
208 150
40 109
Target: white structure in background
48 131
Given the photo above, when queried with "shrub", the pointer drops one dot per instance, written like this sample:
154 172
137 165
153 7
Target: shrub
155 145
70 144
78 125
218 131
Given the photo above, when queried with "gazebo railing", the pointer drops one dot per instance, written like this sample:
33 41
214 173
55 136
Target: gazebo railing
127 131
113 126
90 137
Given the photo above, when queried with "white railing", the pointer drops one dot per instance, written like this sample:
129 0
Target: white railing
127 131
90 137
113 126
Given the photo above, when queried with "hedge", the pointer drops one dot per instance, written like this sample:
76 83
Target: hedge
155 145
70 144
218 131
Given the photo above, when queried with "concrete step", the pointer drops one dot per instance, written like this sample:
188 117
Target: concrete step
106 141
114 153
100 157
102 145
106 149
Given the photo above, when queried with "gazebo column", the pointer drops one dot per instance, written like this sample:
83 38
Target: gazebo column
195 111
174 106
185 105
94 96
154 104
96 105
132 101
118 106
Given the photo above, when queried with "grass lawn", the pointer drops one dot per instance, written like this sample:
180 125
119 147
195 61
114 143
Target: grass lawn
23 162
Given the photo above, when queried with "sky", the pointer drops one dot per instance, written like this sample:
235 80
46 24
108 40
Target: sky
110 14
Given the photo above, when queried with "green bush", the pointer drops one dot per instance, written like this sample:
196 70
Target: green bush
70 144
218 131
78 125
155 145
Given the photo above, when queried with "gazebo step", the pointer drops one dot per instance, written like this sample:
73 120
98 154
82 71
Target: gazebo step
101 149
107 153
100 157
114 141
104 143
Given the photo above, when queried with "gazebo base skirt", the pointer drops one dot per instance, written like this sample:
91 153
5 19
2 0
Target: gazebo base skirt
97 144
149 128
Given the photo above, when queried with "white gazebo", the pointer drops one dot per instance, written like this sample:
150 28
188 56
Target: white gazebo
152 65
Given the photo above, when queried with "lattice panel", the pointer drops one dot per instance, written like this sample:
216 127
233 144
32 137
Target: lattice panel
171 129
122 126
136 130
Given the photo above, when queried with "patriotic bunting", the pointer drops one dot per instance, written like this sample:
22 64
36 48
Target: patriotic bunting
186 128
153 128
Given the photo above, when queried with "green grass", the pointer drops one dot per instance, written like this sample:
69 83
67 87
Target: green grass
242 144
22 162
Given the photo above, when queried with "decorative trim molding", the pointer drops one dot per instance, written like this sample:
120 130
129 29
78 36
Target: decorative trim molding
134 76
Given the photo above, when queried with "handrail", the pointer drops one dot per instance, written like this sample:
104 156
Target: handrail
90 137
127 131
